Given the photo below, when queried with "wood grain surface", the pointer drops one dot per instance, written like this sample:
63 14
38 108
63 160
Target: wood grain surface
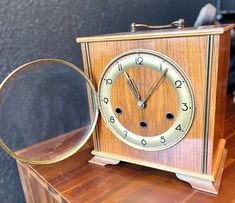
193 53
56 147
75 180
218 95
160 33
193 62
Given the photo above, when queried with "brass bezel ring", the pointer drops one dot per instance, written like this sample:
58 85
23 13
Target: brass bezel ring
94 106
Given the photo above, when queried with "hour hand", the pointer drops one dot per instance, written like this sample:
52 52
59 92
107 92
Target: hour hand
132 86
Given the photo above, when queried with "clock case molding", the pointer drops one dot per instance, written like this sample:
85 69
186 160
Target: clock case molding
203 54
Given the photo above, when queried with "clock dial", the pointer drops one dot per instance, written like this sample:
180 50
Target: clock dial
146 100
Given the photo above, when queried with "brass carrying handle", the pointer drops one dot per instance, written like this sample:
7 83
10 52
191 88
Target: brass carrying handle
175 24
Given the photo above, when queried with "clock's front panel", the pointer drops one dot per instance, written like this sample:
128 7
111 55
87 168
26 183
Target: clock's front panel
162 108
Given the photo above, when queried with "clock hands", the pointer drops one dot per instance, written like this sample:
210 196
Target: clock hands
154 86
132 86
134 90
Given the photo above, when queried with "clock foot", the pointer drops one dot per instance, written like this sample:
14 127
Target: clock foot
206 185
102 161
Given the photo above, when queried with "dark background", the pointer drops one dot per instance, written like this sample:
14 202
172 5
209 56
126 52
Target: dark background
47 28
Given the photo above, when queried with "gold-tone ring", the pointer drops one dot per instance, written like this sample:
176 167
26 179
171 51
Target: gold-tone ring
88 134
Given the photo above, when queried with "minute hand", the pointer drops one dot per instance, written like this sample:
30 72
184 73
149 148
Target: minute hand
154 86
132 86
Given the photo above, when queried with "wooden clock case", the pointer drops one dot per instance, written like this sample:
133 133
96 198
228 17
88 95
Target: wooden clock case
203 54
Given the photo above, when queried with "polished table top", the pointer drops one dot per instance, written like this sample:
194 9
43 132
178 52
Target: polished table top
76 180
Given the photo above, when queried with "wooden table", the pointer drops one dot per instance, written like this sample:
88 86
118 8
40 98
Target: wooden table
75 180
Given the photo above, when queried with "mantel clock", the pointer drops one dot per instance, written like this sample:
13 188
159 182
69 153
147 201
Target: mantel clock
161 94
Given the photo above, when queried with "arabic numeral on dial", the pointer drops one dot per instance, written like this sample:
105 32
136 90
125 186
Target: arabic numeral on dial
179 128
139 60
143 142
125 133
178 83
105 100
162 140
108 81
120 67
111 119
185 107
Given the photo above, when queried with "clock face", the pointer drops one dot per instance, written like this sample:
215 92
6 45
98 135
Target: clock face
146 100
